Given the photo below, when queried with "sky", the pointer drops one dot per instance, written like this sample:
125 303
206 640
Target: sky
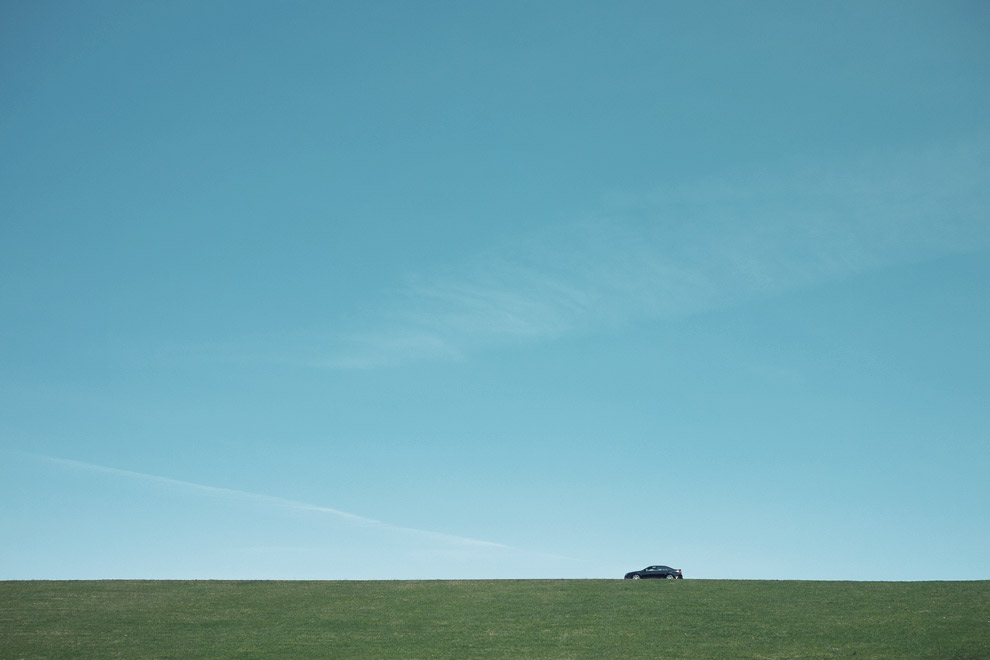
448 290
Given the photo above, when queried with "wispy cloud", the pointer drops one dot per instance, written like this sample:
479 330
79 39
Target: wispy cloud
679 251
270 501
666 253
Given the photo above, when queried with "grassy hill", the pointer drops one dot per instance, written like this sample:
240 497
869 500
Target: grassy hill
516 619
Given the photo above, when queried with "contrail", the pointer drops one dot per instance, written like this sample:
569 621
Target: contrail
230 493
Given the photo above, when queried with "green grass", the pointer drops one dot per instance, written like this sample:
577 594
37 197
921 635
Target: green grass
518 619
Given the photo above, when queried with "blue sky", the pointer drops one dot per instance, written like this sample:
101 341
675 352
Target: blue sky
349 290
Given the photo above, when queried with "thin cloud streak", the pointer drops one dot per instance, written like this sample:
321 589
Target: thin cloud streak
677 252
269 500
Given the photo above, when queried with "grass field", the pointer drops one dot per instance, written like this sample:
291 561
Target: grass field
519 619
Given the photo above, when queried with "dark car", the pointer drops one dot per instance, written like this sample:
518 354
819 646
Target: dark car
665 572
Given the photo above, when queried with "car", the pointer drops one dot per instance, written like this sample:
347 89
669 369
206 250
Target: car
665 572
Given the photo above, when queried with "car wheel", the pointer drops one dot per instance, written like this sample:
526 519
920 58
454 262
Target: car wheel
671 577
635 577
